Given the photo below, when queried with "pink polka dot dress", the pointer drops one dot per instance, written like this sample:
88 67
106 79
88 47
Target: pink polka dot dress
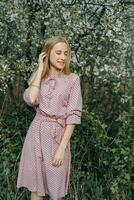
59 103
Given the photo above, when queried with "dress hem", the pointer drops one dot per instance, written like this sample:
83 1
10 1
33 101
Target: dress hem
41 195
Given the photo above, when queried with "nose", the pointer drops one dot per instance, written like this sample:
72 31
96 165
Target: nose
63 56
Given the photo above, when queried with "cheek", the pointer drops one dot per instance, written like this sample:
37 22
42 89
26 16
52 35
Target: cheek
66 57
53 58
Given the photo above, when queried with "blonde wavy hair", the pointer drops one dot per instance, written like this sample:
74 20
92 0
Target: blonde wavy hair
47 47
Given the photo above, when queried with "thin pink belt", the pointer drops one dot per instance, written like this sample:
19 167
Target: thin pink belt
56 131
60 119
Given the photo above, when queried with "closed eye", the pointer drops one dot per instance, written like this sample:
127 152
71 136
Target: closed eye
60 52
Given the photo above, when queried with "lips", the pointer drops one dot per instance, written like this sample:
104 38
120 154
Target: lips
62 63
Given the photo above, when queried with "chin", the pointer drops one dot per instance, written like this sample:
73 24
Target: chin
60 68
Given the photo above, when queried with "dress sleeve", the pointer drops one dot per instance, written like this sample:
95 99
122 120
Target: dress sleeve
27 99
74 107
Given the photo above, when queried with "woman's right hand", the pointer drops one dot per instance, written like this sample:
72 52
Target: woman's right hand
41 61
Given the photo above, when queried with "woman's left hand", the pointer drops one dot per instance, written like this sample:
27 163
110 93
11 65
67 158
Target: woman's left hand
59 157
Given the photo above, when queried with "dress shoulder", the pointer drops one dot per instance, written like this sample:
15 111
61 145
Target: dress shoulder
73 77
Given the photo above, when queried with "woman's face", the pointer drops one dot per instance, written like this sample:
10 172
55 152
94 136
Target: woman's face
59 56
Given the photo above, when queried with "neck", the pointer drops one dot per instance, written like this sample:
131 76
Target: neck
55 72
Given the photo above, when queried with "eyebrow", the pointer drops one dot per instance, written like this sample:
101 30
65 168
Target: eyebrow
61 51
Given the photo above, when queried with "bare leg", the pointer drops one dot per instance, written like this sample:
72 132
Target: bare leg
34 196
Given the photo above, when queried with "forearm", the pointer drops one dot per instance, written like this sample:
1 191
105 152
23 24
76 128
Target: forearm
67 135
34 87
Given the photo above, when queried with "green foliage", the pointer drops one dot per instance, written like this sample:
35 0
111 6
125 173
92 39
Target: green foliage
104 157
12 136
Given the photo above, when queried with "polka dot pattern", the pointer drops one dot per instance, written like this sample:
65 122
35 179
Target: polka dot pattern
59 103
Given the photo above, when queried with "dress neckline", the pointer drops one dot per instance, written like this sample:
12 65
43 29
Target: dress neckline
56 75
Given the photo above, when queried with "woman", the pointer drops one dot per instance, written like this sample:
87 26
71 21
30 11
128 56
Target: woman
55 93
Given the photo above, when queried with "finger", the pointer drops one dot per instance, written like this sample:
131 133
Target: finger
55 161
60 162
42 57
42 53
57 164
